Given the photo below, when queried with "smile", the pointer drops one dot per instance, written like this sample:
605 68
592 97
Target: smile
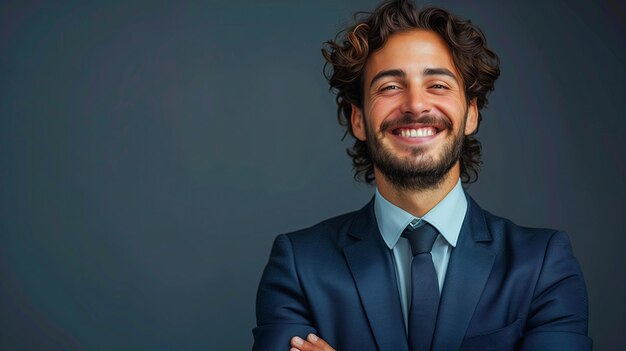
415 132
420 132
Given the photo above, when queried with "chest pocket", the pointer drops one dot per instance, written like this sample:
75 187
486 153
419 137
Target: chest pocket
506 338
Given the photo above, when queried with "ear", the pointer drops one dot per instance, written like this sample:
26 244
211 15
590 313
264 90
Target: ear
471 123
358 125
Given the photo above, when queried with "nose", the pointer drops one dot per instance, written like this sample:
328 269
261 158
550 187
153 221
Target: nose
416 101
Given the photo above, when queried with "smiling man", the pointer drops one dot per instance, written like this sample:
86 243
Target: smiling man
421 266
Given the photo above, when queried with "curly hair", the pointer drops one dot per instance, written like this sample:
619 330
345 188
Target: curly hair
347 55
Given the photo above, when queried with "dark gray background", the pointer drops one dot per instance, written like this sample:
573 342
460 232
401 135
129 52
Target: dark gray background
150 151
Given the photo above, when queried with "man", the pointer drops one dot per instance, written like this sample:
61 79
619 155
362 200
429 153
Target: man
422 266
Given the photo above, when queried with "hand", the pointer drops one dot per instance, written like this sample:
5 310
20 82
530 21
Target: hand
312 343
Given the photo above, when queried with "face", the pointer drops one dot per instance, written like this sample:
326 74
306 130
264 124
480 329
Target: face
415 114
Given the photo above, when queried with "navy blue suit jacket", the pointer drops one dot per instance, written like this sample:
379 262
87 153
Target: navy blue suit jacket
506 288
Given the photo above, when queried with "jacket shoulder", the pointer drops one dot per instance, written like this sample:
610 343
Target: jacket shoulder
500 226
330 229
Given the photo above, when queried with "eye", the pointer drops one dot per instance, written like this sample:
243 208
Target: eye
439 86
389 87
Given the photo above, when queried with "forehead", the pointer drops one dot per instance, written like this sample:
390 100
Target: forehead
411 51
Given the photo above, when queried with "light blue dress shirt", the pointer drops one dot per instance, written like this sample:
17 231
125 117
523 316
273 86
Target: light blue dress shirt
447 217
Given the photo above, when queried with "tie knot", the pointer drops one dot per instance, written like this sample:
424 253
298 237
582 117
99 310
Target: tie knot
421 238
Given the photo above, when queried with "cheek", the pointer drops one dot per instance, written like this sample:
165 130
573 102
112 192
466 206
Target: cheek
454 109
378 109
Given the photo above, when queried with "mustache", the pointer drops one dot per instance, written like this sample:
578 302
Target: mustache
410 119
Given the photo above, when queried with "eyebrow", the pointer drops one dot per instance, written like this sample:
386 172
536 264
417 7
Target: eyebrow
398 73
439 72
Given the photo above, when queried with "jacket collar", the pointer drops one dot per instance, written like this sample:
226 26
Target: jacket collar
468 270
373 272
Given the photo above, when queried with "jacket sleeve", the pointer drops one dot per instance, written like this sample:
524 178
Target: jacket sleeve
282 310
558 313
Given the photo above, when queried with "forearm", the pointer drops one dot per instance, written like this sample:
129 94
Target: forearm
282 308
559 309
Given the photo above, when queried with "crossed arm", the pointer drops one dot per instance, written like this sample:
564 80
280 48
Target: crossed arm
557 314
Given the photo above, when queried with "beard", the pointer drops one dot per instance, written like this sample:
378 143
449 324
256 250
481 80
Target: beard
419 171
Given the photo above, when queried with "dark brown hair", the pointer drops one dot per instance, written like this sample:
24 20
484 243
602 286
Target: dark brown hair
347 55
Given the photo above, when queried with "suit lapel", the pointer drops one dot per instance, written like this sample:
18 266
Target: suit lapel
469 267
374 275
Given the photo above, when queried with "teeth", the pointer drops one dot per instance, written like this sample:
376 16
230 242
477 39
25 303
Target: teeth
417 133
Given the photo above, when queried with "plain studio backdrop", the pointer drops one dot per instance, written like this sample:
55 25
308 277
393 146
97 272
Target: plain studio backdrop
150 151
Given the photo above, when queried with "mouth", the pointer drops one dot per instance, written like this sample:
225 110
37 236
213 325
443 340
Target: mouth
411 131
416 132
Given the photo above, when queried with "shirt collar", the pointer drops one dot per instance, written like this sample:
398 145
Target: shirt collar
447 216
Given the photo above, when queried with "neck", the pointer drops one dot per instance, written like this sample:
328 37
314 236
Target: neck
417 202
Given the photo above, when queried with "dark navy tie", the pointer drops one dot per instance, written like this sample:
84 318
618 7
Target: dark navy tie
424 287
